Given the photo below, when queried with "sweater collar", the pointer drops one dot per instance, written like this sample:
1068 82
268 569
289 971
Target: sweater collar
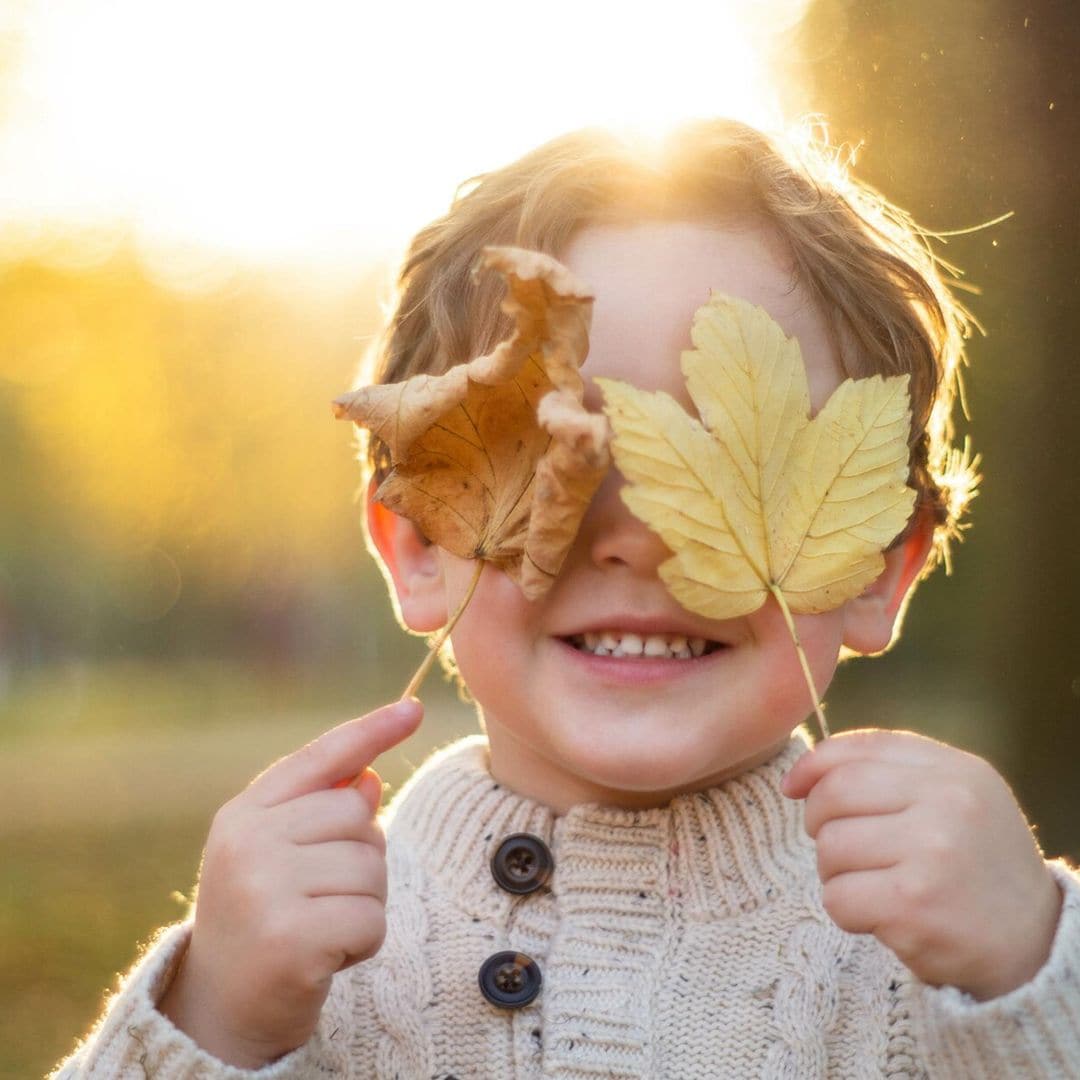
715 853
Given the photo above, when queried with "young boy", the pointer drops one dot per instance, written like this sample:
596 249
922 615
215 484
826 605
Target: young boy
640 870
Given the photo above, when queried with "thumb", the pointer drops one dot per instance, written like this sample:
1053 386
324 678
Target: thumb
370 785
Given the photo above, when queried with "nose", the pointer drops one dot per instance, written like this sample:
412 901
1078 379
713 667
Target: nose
613 537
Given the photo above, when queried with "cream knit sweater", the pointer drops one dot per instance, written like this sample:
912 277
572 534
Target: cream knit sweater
687 941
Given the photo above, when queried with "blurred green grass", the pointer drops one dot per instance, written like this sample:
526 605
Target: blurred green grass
76 900
109 777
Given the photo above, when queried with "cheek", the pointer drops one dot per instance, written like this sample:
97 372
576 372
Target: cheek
457 576
496 621
820 637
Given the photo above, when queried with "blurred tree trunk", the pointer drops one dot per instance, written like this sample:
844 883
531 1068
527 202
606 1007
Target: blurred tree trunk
970 109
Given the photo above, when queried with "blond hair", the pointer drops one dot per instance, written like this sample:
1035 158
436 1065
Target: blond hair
885 295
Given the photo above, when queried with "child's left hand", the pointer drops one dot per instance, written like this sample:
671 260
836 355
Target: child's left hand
923 846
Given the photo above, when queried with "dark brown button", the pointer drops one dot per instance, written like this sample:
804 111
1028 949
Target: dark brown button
522 863
510 980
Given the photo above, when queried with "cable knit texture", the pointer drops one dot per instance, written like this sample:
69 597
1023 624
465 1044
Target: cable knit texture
687 941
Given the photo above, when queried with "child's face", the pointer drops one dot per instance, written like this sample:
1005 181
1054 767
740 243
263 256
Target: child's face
566 725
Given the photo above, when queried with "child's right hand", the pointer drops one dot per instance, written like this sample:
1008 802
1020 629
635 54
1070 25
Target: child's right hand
292 890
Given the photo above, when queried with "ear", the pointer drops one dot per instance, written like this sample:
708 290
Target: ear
411 564
873 619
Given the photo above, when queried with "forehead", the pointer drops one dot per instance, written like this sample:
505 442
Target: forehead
650 277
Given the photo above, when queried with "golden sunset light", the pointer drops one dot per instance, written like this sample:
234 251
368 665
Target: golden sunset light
219 217
269 134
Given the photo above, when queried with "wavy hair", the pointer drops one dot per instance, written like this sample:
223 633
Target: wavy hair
887 298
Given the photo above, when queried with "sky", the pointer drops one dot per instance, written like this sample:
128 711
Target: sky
328 130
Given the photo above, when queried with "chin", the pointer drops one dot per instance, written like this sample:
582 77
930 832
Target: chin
643 773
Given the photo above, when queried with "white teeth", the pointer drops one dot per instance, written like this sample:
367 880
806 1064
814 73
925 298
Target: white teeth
655 645
614 643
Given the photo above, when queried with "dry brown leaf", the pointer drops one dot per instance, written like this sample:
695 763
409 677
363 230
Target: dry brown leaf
566 478
480 462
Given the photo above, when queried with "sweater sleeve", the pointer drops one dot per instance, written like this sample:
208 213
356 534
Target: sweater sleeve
132 1040
1033 1031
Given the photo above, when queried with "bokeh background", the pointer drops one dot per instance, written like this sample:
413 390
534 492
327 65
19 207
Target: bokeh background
200 206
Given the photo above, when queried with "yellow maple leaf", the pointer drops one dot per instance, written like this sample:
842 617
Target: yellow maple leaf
757 498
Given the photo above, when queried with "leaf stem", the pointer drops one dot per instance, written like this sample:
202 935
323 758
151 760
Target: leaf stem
436 643
782 601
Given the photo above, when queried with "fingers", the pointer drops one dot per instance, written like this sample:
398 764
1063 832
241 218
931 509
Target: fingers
354 928
340 868
343 752
858 902
369 784
888 747
860 789
881 902
846 845
331 814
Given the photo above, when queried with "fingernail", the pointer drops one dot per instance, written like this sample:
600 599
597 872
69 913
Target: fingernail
406 709
784 784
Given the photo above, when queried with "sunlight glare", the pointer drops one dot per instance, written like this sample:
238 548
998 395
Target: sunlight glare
270 131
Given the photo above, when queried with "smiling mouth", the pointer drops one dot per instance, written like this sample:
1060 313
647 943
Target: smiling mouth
644 646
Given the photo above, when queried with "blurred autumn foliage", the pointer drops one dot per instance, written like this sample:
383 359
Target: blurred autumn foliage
969 111
178 482
184 593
